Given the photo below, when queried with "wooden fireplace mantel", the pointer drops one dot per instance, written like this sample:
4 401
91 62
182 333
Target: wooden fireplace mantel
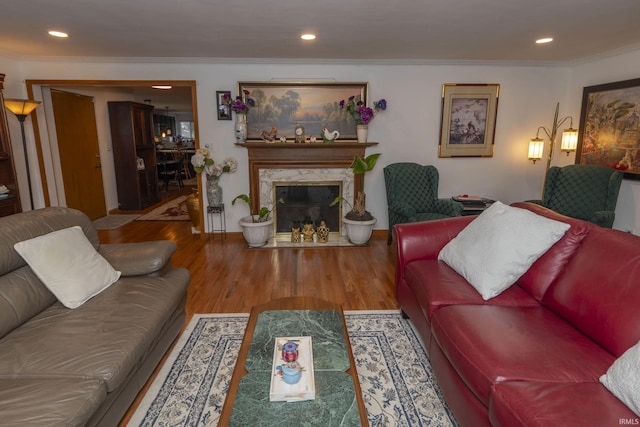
299 156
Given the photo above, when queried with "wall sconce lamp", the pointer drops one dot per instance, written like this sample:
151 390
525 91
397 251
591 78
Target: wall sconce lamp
569 139
22 108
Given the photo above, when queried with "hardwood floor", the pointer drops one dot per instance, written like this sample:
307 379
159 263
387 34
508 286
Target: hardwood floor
228 277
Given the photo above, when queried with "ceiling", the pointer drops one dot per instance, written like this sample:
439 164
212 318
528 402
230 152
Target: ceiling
352 30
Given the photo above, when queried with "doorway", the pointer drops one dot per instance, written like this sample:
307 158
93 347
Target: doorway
79 151
181 98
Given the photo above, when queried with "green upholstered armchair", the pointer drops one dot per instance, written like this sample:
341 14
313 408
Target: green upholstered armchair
412 195
587 192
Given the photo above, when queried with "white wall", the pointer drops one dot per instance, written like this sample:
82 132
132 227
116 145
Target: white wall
14 88
407 131
607 70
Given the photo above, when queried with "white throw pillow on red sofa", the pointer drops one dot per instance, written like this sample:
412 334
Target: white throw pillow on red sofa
499 246
68 265
623 378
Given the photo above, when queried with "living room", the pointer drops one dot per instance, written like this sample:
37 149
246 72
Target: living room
408 130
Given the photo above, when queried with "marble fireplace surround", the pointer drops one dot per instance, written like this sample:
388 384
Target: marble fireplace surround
301 162
302 175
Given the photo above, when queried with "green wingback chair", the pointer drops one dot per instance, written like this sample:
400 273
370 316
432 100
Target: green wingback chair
412 195
587 192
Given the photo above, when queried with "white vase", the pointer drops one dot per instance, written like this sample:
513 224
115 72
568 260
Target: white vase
363 132
241 128
255 233
359 232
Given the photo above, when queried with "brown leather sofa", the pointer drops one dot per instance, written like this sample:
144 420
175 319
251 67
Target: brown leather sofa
82 366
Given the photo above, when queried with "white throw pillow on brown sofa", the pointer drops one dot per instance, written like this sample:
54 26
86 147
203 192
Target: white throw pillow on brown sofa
68 265
499 246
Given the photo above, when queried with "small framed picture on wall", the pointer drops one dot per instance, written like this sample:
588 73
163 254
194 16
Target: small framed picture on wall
468 120
224 109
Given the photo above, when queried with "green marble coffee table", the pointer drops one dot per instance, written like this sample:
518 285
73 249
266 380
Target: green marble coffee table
338 399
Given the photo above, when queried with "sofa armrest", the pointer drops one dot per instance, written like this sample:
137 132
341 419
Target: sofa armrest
537 202
448 207
404 209
139 259
603 218
424 240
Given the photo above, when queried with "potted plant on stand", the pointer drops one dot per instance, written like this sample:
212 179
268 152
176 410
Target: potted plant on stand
359 222
256 228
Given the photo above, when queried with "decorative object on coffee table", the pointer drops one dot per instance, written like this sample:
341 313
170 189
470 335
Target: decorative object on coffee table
293 376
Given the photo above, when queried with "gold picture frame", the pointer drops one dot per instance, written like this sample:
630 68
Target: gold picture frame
313 104
468 120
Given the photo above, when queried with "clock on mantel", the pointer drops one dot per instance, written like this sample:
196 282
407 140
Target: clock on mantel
300 156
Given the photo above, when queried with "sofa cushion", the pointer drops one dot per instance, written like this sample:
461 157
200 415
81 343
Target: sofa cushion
598 292
437 285
68 265
49 401
22 296
106 338
488 344
623 378
493 251
537 279
534 404
27 225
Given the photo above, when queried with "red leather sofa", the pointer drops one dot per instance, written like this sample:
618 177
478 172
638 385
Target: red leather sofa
531 356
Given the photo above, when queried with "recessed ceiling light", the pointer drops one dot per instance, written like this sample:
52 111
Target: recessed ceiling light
59 34
544 40
308 37
163 87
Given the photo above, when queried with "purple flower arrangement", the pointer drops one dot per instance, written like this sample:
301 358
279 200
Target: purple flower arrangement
360 112
239 106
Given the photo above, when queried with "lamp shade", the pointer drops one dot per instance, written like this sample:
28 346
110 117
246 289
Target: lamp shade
20 107
536 147
569 140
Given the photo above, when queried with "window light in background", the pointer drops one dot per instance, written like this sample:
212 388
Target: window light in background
569 138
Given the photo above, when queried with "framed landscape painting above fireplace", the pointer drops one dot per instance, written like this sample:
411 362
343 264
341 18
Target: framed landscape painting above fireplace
314 105
609 133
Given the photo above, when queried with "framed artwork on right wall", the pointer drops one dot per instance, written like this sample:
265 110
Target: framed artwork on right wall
609 133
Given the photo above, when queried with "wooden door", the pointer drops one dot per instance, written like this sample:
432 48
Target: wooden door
77 134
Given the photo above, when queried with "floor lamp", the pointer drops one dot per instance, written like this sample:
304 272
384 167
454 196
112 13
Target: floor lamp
22 108
569 139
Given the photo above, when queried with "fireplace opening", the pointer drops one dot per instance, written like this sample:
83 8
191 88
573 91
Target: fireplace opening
305 201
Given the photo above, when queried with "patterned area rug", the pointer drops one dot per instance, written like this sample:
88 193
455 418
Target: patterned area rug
395 375
173 210
112 222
